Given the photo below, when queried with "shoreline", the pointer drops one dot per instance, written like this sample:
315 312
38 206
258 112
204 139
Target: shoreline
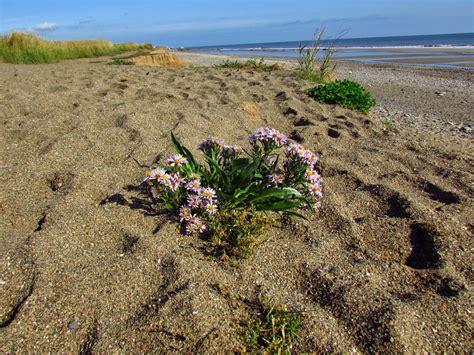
428 98
214 58
284 49
450 57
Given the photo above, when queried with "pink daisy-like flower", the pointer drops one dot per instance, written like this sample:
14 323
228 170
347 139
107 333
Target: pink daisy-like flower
191 228
193 185
310 158
184 213
295 149
211 208
315 189
174 181
260 134
208 193
200 226
176 160
194 201
277 179
266 134
196 224
158 174
312 175
279 138
302 153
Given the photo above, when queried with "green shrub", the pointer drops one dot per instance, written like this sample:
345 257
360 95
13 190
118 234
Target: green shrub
120 61
274 330
345 93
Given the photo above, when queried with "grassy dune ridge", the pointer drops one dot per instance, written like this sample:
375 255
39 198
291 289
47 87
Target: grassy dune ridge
27 48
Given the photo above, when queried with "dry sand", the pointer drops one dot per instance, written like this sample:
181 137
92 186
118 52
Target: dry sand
88 264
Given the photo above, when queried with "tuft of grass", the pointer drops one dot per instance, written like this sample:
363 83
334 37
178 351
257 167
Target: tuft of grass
27 48
345 93
235 231
274 330
388 122
251 64
310 66
120 61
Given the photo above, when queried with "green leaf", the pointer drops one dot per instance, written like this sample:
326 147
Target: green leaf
242 191
246 175
240 164
277 192
183 150
279 206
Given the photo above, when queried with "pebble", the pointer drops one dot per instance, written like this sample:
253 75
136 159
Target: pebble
72 325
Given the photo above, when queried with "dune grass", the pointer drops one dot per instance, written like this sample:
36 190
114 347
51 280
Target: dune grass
27 48
313 68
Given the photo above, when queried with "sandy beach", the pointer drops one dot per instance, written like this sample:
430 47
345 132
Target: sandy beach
88 264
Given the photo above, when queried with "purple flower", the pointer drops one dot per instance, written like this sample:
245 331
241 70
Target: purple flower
208 193
295 149
194 185
313 176
176 160
158 174
268 135
194 201
184 213
229 151
315 189
195 225
277 179
211 142
174 181
303 155
310 158
211 208
279 138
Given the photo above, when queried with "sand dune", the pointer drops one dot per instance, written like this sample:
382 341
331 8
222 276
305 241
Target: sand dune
160 57
89 264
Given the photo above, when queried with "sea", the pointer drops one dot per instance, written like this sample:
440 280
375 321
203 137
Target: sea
446 50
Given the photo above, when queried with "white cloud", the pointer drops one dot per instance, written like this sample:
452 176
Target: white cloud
45 27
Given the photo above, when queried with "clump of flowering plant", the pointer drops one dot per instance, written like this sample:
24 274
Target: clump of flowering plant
274 175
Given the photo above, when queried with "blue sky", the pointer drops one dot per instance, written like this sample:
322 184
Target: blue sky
210 22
